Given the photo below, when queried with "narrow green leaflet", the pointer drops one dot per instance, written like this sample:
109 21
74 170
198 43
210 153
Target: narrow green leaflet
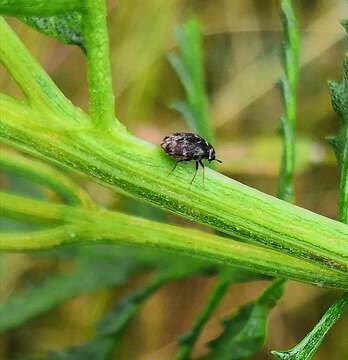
66 28
245 331
88 276
305 349
189 67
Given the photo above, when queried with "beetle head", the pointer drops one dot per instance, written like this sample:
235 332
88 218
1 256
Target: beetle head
212 155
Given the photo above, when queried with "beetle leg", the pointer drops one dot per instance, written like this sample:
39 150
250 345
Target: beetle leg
174 167
195 172
200 161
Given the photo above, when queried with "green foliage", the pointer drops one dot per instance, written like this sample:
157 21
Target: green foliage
132 166
46 124
88 276
65 28
339 95
111 326
189 67
245 331
306 348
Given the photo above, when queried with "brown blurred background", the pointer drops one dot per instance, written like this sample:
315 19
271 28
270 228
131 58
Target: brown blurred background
242 40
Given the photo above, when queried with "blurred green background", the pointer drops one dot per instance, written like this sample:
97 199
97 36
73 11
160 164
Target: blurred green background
242 40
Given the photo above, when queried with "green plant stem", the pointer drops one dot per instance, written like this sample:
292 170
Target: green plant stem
288 86
38 7
44 175
132 166
187 340
80 225
305 349
40 91
289 92
140 169
101 98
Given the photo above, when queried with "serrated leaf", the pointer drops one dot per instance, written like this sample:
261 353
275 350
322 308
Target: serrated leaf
306 348
65 28
245 331
189 67
40 298
338 95
339 100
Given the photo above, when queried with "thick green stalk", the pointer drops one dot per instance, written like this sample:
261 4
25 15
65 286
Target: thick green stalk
43 174
80 225
141 170
137 168
38 7
288 87
101 98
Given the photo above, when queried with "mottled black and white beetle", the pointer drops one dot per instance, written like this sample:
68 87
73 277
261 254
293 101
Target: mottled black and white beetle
188 147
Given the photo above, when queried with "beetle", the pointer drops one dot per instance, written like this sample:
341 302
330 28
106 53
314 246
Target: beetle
188 147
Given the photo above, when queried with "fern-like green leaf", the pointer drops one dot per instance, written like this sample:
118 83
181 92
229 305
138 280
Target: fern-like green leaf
66 28
339 103
339 99
245 331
